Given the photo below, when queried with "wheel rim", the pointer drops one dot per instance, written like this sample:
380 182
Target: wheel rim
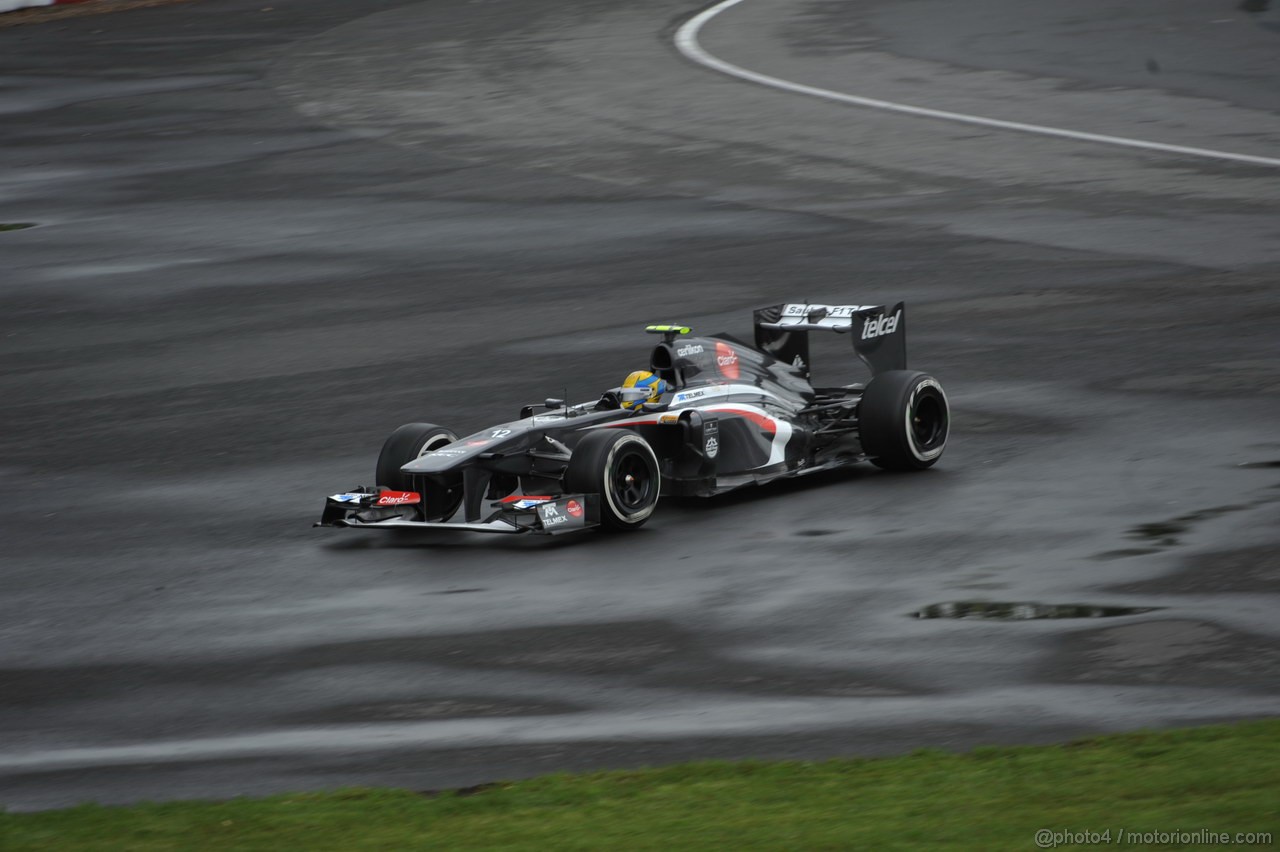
928 422
435 442
631 482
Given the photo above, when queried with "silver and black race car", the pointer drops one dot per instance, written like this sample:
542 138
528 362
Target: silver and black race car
732 415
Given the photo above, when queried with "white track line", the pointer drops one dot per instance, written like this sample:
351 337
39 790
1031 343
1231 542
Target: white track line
687 44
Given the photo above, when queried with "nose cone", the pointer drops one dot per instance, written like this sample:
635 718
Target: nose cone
465 450
432 463
445 458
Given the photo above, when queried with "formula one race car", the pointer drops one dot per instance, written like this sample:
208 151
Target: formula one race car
714 414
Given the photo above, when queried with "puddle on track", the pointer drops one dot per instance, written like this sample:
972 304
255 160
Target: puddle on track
1124 553
1165 533
1024 610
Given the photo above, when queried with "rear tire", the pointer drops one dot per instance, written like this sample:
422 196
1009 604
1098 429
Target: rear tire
904 420
403 446
622 468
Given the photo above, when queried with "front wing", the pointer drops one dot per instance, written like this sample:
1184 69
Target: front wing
368 508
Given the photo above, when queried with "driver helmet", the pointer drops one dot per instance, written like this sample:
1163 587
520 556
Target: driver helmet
644 387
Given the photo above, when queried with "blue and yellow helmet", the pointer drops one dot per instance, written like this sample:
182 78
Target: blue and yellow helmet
645 381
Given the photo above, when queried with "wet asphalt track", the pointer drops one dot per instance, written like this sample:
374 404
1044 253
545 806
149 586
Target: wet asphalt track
268 238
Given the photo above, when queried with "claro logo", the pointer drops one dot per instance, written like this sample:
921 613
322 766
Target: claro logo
878 327
398 498
727 361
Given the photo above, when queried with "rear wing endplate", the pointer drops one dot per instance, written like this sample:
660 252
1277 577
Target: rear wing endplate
879 335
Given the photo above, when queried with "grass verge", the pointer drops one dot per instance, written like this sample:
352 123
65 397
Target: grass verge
1222 778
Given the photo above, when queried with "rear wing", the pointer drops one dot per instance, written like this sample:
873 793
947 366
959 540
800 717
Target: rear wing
879 335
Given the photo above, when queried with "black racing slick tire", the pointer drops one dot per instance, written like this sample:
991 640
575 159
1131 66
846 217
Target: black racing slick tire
403 446
904 420
622 468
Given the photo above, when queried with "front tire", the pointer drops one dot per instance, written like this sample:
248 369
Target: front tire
403 446
622 468
904 420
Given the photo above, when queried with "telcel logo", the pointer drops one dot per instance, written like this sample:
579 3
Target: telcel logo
873 327
727 361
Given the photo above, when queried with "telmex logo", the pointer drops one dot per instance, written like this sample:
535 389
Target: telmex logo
691 349
727 361
876 327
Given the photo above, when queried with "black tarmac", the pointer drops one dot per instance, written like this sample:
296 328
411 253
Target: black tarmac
267 234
